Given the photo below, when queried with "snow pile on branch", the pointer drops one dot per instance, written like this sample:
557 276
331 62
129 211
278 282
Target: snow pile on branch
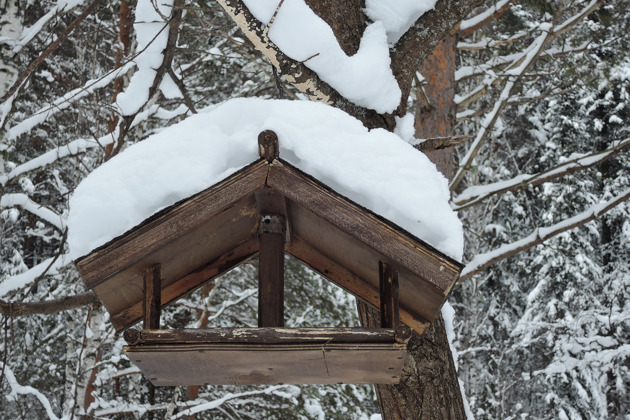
364 78
151 28
376 169
397 15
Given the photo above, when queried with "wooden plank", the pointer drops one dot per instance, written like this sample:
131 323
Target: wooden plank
420 297
170 224
389 240
388 277
151 303
271 271
249 364
190 282
261 335
347 280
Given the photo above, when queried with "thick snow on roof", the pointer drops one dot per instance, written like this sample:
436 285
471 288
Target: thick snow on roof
375 168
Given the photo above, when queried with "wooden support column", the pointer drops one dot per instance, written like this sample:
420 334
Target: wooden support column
152 302
390 315
271 235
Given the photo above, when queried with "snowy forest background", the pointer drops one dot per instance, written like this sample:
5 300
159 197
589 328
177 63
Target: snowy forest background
542 320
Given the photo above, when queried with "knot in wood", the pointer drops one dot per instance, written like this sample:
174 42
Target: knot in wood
268 147
132 336
402 334
271 224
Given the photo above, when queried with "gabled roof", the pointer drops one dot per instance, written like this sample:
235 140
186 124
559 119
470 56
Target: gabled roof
211 232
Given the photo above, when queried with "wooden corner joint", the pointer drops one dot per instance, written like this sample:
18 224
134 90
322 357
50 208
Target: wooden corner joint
268 147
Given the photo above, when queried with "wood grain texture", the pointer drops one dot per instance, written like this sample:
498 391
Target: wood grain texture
129 316
168 224
152 302
348 280
392 242
261 335
257 364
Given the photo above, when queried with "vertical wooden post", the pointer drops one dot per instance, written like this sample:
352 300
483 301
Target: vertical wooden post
390 315
152 302
271 271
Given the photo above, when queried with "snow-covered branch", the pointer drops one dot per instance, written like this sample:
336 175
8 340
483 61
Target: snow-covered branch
516 73
476 194
17 389
24 201
10 94
50 266
482 261
469 26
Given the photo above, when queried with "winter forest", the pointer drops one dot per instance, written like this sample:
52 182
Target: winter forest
524 105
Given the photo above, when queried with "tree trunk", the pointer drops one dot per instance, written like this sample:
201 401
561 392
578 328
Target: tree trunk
429 388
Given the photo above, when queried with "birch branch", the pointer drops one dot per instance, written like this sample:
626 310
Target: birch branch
474 195
482 261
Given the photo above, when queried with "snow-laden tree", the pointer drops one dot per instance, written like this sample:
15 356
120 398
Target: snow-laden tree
536 93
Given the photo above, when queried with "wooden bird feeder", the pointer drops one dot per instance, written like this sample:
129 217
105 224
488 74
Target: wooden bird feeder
266 209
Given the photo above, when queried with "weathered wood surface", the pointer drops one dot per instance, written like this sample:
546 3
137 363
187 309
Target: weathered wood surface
158 231
213 231
267 335
253 364
349 281
388 277
152 302
186 284
271 271
423 260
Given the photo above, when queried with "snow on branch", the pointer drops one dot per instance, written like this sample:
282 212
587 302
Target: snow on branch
23 201
482 261
71 149
11 93
17 389
469 26
49 266
515 72
406 55
205 406
476 194
29 33
66 101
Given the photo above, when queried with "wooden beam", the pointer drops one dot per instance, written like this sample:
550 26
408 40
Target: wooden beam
388 276
271 236
347 280
168 225
391 241
136 337
190 282
152 297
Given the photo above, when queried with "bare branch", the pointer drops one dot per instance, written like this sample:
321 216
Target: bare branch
47 306
476 194
51 48
482 261
437 143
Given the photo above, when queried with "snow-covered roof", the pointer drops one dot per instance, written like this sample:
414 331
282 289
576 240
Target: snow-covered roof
374 168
